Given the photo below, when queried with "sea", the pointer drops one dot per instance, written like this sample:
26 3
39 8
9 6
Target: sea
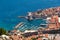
11 9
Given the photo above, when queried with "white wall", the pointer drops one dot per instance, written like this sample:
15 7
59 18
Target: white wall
59 19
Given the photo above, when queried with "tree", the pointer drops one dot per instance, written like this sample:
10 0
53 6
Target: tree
2 31
33 38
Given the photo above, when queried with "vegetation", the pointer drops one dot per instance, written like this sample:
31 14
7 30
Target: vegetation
33 38
2 31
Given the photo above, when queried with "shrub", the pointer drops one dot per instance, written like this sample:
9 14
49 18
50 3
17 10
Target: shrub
2 31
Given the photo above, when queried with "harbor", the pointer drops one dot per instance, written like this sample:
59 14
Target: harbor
52 29
48 31
29 19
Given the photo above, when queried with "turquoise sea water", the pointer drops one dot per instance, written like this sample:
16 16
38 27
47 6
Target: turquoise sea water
10 9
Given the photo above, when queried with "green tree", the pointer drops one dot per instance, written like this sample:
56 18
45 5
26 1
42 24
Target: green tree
2 31
33 38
